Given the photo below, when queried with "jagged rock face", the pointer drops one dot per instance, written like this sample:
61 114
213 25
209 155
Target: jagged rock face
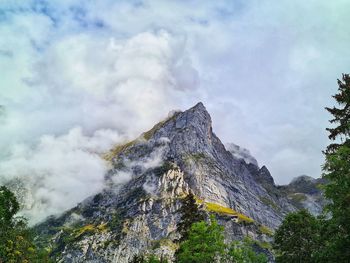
213 173
178 155
305 192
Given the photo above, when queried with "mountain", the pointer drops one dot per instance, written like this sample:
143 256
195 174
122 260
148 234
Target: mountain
137 212
305 192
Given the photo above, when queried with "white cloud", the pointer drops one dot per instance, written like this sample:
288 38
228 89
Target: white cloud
58 172
263 71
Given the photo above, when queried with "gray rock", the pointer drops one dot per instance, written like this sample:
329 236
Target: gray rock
140 216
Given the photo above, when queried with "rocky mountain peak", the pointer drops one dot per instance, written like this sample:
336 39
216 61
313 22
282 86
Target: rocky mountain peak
178 155
302 179
186 132
197 117
199 107
265 175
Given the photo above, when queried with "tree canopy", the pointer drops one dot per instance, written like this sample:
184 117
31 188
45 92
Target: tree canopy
296 239
16 239
189 215
205 243
337 173
303 238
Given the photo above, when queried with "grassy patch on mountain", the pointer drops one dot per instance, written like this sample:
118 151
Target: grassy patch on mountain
197 156
269 202
264 244
216 208
117 150
89 229
148 134
297 197
265 230
69 236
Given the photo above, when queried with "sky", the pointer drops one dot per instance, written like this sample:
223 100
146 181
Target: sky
77 77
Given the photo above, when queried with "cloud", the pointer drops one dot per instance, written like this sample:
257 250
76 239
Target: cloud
241 153
58 172
261 68
103 83
114 89
147 163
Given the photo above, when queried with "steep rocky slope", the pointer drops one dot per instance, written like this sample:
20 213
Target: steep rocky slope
306 192
137 212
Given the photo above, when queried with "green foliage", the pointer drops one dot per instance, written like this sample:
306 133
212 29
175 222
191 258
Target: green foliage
296 240
242 252
189 215
341 115
205 243
265 230
16 240
337 173
303 238
116 222
8 208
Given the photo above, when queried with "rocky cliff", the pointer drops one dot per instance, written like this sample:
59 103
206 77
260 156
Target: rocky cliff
137 212
306 192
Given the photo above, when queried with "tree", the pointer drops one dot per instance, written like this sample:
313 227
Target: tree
205 243
341 115
8 208
16 240
296 240
189 215
337 173
242 252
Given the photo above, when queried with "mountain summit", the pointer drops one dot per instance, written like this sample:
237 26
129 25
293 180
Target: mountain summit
138 210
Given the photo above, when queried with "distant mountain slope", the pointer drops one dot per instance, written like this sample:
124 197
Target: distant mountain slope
305 192
138 210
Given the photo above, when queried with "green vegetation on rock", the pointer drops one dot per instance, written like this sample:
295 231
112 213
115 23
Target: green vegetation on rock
269 202
216 208
243 252
265 230
205 243
189 214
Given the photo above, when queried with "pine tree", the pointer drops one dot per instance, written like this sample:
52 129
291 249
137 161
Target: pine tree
341 115
205 243
296 239
337 173
190 214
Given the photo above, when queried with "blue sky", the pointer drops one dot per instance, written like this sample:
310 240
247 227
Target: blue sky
264 69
